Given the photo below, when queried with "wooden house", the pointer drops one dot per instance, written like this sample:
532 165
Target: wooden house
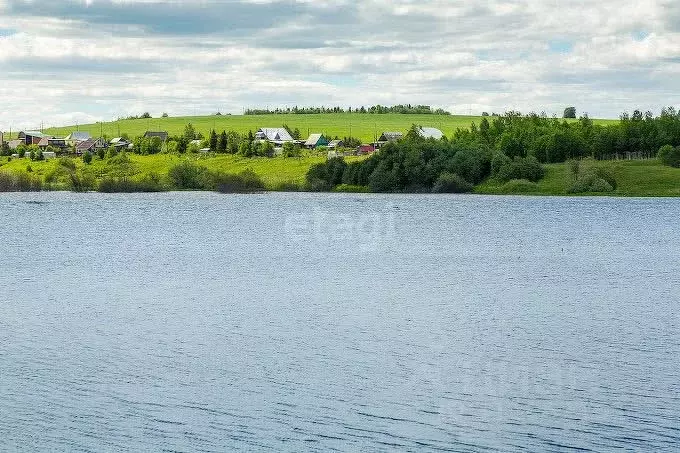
388 137
316 140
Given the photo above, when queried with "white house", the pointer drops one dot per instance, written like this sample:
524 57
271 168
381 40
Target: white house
76 137
275 135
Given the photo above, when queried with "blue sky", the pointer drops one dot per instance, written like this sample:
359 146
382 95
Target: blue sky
67 61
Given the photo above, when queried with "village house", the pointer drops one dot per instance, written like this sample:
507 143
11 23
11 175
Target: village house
335 144
14 144
163 135
365 149
316 140
276 135
76 137
31 137
388 137
120 144
46 142
91 145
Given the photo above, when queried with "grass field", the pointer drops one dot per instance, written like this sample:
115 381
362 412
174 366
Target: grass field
363 126
273 171
638 178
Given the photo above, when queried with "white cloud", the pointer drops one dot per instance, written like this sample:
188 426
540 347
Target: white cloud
77 60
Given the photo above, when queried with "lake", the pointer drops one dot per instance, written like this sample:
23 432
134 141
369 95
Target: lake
320 322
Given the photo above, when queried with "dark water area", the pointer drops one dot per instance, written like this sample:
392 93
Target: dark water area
307 322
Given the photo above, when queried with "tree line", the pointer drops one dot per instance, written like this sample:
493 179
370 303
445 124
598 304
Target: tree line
551 140
375 109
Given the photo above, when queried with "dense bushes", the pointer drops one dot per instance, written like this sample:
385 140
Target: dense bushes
587 178
505 169
190 176
245 182
670 155
19 182
150 183
451 183
187 175
325 176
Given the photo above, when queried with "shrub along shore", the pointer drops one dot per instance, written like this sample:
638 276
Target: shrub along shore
231 174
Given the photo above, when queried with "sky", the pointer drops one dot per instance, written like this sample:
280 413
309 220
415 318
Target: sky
81 61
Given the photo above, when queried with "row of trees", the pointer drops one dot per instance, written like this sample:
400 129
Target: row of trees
553 140
375 109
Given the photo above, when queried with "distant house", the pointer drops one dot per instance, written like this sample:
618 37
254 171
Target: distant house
76 137
365 149
160 134
275 135
335 144
430 132
46 142
119 143
91 145
388 137
31 137
316 140
14 144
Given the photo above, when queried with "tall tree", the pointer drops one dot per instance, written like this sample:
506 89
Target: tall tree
222 142
189 132
213 141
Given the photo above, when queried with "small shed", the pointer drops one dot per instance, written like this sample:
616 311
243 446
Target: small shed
316 140
335 144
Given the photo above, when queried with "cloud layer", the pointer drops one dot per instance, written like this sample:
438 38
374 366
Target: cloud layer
68 61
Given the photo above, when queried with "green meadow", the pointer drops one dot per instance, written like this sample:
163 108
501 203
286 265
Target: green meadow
635 178
273 171
366 127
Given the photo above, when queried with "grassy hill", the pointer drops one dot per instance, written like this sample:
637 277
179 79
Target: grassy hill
635 178
362 126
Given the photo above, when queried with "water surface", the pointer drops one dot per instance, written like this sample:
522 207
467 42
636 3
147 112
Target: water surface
297 322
